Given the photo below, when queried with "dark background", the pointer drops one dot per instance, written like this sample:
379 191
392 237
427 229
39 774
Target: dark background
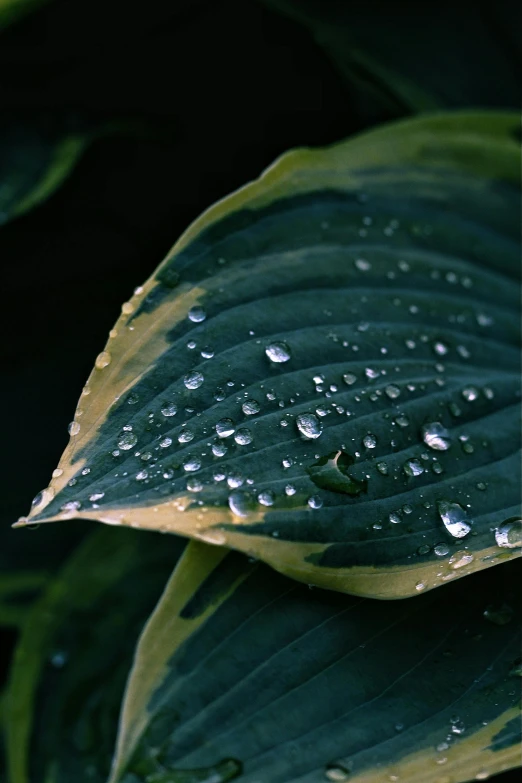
212 92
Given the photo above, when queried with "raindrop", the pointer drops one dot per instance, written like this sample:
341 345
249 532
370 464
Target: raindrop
73 428
240 503
382 467
225 428
470 393
349 378
371 374
423 549
165 442
392 391
243 436
309 425
102 360
460 559
57 472
194 484
370 441
420 586
191 464
436 436
290 489
402 420
185 436
266 497
250 407
133 398
142 475
362 264
72 505
197 314
509 533
193 380
394 518
454 518
207 353
169 409
219 449
96 496
440 348
338 772
127 440
235 479
441 550
278 352
315 501
413 467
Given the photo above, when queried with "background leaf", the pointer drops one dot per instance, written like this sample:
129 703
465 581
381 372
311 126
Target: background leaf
382 270
74 653
240 670
12 10
413 57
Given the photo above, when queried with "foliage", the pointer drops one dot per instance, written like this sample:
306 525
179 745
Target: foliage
316 397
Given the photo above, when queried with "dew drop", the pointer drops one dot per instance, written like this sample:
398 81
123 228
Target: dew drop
370 441
309 425
382 467
191 464
470 393
349 378
193 380
165 442
194 484
460 559
240 503
392 391
185 436
362 265
278 352
440 348
315 501
441 550
127 440
454 518
235 479
102 360
413 467
219 449
225 428
73 428
509 533
142 475
250 407
371 374
243 436
169 409
266 497
436 436
196 314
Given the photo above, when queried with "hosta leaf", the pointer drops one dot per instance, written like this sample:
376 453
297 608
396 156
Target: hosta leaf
375 45
74 654
324 372
241 670
34 161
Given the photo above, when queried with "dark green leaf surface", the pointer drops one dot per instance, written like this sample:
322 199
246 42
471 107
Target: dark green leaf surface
255 674
34 161
74 654
407 56
325 371
12 10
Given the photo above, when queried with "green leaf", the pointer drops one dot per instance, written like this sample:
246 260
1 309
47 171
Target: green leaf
74 653
35 159
417 56
325 371
12 10
243 670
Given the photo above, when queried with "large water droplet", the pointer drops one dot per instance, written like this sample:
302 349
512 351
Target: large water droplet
243 436
309 425
169 409
436 436
413 467
370 441
73 428
460 559
509 533
193 380
454 517
250 407
191 464
266 497
349 378
196 314
278 352
127 440
240 503
102 360
225 428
